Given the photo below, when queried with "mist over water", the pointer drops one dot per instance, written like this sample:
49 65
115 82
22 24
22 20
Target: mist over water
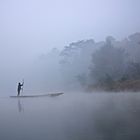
71 116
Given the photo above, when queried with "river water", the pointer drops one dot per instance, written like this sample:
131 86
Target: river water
71 116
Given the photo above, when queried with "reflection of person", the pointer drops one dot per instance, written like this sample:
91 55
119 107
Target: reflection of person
19 88
20 106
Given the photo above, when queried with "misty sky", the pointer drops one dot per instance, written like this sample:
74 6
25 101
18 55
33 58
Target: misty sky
33 26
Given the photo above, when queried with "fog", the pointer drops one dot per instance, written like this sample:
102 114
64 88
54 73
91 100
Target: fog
82 65
80 61
30 29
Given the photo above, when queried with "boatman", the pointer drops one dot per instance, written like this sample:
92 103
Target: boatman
19 87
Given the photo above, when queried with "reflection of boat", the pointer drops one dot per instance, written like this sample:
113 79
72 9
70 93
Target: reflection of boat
43 95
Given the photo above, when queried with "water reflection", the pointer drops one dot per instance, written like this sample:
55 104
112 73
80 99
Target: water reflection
20 106
118 119
114 117
73 117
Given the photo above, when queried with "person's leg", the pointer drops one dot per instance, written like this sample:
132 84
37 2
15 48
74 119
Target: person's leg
18 92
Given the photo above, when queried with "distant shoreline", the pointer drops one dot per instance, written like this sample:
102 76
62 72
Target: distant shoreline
128 85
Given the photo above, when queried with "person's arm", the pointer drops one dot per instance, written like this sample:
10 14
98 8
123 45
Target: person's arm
22 83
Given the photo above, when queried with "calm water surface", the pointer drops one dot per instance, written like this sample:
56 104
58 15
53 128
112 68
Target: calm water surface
73 116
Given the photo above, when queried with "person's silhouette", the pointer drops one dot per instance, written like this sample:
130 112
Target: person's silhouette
19 88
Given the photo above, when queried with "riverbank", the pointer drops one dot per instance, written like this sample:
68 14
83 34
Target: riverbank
128 85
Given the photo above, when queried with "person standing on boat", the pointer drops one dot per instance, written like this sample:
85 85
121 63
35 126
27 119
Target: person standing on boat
19 87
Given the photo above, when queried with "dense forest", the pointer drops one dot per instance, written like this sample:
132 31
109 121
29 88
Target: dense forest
89 65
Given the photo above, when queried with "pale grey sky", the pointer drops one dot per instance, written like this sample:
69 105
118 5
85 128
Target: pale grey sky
31 26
